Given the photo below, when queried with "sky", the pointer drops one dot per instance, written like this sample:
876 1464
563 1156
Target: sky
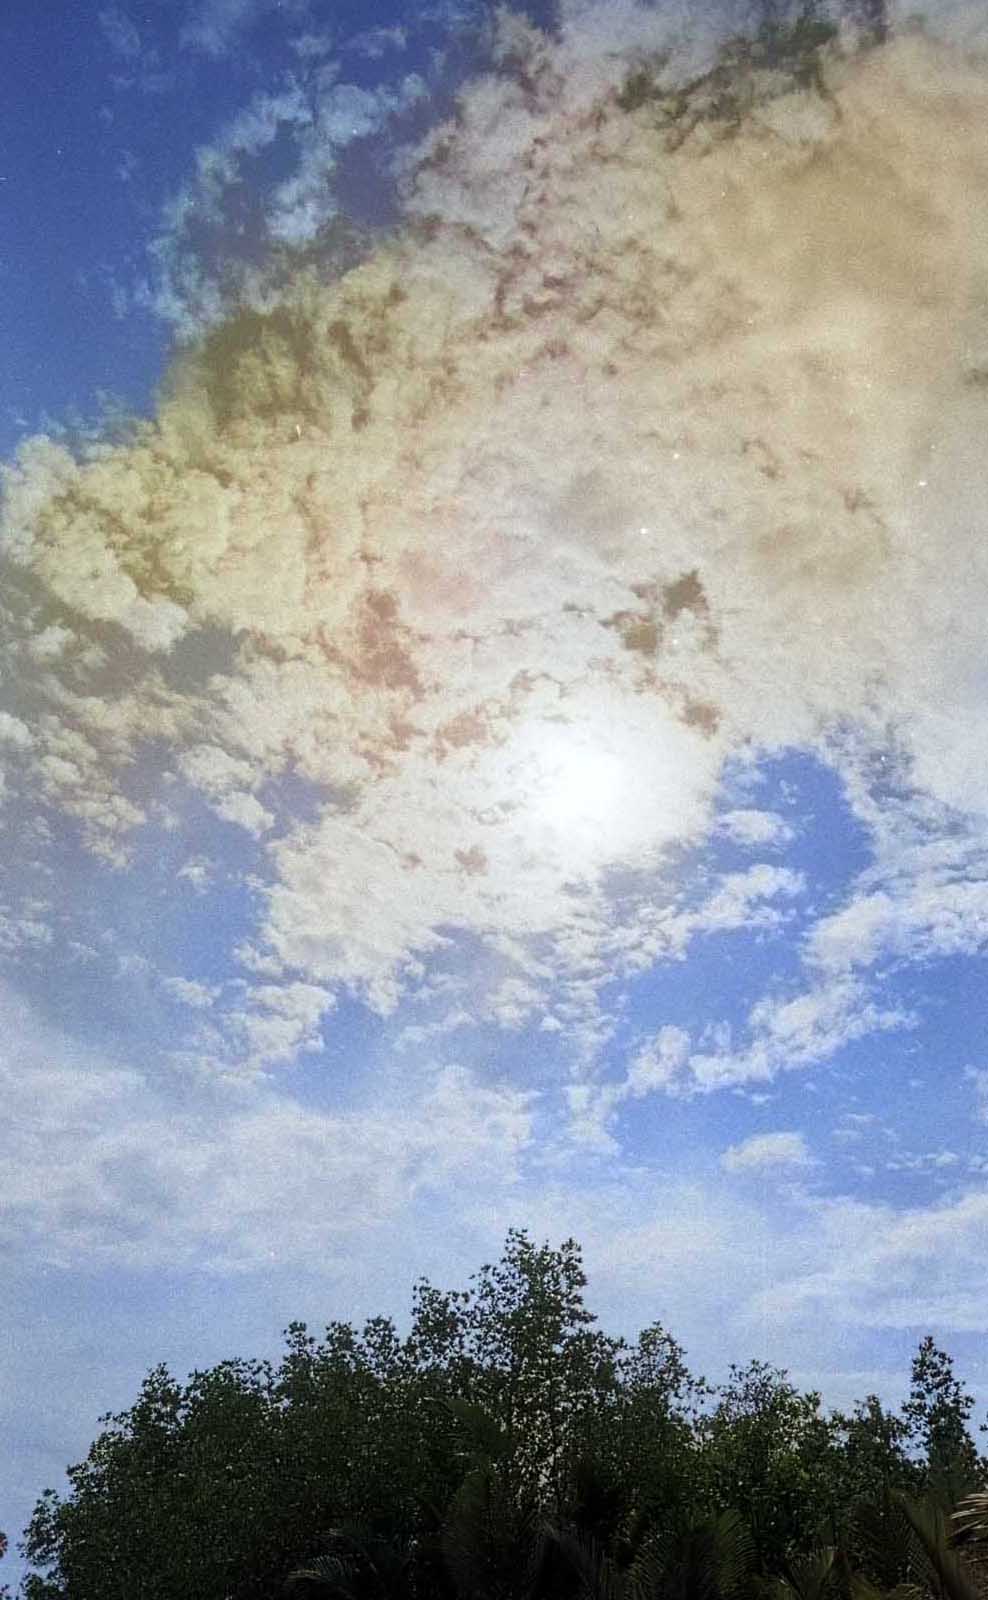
492 684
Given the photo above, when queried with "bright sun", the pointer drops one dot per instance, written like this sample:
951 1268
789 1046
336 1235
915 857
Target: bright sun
579 786
621 781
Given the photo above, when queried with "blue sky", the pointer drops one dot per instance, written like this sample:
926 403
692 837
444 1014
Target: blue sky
492 688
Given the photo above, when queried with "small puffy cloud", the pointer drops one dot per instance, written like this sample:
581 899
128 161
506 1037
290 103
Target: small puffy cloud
14 733
657 1066
768 1152
50 643
190 992
751 827
198 872
377 42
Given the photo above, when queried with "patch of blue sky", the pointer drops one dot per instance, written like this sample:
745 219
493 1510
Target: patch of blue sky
179 910
85 170
827 845
344 1073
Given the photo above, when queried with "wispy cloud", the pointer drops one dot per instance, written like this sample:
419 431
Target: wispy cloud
215 26
120 32
768 1152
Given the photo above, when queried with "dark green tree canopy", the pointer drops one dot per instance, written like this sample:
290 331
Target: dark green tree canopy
505 1447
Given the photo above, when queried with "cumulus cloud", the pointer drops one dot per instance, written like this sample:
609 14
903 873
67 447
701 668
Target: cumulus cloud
751 827
767 1152
651 440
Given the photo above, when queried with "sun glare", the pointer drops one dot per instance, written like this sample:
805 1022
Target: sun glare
580 786
612 783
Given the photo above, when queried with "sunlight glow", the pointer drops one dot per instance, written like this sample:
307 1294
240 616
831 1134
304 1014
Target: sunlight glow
581 786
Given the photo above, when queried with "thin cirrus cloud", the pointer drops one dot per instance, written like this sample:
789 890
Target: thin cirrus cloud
214 27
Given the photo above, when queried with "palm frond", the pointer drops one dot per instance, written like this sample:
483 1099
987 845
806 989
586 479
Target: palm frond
323 1576
883 1539
810 1577
490 1538
971 1517
929 1524
594 1575
708 1560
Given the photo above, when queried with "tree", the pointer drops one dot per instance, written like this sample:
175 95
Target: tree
505 1447
769 1453
653 1439
526 1353
219 1486
936 1416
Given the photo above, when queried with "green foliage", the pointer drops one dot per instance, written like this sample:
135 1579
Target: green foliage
769 1453
508 1450
936 1415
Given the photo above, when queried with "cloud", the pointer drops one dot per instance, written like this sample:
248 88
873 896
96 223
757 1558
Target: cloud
768 1152
213 27
98 1162
648 443
190 992
120 32
751 827
979 1077
882 1268
377 42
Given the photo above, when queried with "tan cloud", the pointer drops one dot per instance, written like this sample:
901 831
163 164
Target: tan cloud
654 437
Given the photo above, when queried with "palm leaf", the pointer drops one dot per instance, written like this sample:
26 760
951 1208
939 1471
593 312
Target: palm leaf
929 1524
357 1563
884 1541
809 1577
971 1517
593 1575
862 1589
490 1538
324 1576
708 1560
487 1438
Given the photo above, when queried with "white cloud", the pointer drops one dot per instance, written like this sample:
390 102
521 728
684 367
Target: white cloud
607 474
198 872
750 827
14 732
882 1268
786 1033
979 1077
97 1162
377 42
768 1152
191 992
